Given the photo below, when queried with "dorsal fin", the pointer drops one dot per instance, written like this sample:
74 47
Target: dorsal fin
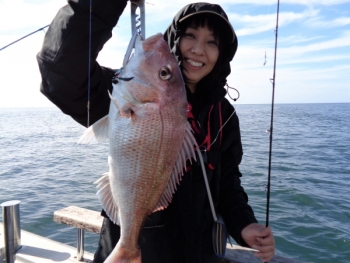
187 152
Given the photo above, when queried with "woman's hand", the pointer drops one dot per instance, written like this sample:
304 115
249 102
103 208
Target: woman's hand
260 238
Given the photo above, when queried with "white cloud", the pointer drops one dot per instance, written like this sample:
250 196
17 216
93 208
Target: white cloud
252 55
293 2
298 39
17 14
339 42
298 78
322 23
316 2
261 23
318 59
293 85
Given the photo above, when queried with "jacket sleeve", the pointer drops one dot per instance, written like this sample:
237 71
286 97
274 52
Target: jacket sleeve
233 204
63 59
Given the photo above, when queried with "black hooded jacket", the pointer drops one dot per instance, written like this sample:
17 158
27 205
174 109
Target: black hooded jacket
182 232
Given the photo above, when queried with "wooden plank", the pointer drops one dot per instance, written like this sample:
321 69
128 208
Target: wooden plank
79 218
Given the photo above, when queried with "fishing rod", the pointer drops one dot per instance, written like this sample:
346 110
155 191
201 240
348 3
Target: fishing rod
23 37
271 124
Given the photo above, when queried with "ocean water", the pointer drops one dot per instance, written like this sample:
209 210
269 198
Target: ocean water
42 166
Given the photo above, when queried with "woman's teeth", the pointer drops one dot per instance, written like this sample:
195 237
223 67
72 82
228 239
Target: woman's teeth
194 63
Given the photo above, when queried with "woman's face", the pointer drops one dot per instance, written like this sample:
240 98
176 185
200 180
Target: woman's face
200 51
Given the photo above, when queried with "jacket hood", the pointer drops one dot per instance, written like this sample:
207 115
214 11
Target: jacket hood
212 87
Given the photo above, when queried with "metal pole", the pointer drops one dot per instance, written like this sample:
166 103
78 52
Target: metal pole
80 245
12 229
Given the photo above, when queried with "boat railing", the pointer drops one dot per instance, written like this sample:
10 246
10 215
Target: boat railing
12 230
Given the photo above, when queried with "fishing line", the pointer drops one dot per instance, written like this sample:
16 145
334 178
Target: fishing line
265 60
89 66
254 80
217 135
24 37
271 124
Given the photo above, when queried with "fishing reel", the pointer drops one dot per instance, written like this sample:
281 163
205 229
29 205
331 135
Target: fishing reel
138 26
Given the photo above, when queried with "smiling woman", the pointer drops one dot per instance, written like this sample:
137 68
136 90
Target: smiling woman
204 48
313 57
206 40
200 51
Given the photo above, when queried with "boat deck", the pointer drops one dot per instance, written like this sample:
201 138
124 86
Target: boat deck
38 249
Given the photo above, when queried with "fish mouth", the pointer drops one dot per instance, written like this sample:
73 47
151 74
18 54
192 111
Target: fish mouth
134 78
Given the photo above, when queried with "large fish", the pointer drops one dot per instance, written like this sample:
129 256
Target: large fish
150 141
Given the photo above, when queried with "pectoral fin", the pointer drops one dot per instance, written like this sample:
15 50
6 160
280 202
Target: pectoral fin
96 132
187 153
105 196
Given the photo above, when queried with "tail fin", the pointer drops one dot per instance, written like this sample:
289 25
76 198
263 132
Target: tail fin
124 255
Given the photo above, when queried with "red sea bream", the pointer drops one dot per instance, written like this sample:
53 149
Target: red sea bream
150 141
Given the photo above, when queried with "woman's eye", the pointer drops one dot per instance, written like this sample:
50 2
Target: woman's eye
189 35
213 43
165 73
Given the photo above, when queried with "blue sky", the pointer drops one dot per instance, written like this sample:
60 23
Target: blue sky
313 56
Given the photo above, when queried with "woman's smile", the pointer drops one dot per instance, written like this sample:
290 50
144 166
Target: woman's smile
193 63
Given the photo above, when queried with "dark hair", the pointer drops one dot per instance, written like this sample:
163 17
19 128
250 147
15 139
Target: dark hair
214 23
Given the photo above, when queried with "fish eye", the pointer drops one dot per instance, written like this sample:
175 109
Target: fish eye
165 73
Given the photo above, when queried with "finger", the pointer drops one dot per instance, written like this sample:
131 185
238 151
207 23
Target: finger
265 231
265 257
265 252
266 241
264 249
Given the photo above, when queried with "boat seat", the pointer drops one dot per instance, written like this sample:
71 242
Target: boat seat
80 218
